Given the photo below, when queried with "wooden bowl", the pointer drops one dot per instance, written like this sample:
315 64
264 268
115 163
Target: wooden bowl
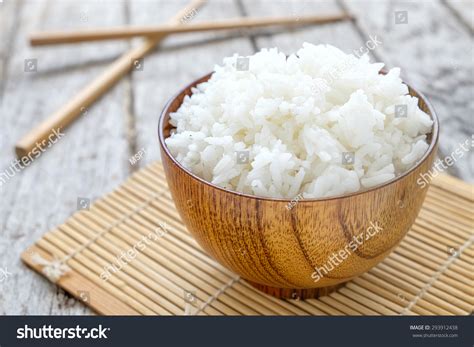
278 249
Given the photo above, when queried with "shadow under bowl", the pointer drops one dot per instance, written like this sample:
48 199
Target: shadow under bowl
305 251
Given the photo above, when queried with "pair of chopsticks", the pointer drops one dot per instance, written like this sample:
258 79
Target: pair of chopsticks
153 35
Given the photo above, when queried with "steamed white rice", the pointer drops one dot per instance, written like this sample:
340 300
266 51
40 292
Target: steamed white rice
319 123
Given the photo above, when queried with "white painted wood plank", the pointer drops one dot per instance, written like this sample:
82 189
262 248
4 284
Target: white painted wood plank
90 160
340 34
8 17
435 53
464 9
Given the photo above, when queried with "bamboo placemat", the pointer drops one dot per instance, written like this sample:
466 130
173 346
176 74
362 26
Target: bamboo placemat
430 273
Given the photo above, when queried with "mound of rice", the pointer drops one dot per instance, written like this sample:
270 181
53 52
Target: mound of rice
319 123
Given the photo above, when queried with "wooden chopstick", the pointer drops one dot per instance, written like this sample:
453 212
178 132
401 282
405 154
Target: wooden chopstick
59 37
90 93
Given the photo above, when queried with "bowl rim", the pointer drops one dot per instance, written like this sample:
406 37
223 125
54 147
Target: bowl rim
431 148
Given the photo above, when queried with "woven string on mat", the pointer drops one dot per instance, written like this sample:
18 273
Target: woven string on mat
437 274
57 268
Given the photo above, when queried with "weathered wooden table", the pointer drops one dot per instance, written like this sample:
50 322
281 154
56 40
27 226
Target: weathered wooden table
432 43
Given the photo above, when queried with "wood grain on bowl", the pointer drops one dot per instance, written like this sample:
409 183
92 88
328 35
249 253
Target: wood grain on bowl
304 251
